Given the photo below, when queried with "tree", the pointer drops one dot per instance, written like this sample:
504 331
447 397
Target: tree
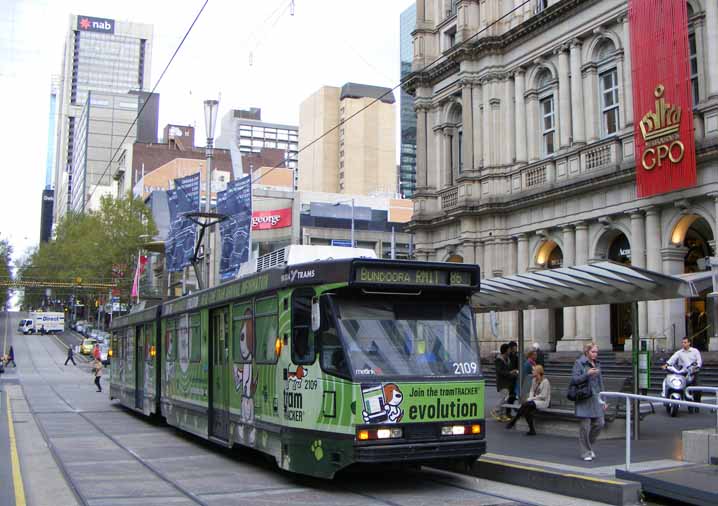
5 274
88 245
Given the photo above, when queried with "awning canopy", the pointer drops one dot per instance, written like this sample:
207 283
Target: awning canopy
585 285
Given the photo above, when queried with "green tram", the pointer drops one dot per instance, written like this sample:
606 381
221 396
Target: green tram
319 365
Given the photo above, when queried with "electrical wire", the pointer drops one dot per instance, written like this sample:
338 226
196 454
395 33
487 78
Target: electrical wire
139 113
391 91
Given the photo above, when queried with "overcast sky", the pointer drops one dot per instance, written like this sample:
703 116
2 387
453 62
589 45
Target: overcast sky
325 42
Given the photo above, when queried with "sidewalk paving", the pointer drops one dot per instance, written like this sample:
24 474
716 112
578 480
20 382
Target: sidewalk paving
660 444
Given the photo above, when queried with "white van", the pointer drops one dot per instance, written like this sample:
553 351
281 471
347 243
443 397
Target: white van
26 326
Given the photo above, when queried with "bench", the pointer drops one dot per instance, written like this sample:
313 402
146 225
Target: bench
559 417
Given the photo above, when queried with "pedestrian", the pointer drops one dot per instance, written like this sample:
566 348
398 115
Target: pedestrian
70 356
528 367
514 364
11 357
97 370
96 353
590 410
539 398
505 377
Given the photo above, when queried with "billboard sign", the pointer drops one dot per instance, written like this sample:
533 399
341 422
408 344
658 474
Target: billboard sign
181 241
662 97
267 220
90 24
236 204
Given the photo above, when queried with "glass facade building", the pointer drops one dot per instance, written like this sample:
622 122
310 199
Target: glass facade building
407 160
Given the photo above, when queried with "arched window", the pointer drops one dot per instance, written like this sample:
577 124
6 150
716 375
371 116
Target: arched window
693 55
604 56
547 112
456 161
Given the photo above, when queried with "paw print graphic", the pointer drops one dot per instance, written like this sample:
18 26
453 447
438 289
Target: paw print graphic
317 450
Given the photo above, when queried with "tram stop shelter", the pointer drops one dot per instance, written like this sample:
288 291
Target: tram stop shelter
587 285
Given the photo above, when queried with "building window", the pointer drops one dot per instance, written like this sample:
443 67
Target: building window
693 56
461 148
450 38
609 102
548 125
541 5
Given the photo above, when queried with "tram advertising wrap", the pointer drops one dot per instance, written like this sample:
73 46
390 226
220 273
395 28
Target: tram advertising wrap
321 366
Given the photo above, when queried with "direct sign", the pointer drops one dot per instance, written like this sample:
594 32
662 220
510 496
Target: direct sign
430 277
90 24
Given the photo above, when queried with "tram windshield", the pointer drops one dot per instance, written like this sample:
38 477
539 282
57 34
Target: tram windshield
394 338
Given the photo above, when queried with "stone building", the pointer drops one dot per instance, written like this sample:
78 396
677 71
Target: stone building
525 157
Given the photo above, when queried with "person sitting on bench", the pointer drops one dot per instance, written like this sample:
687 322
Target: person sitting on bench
539 398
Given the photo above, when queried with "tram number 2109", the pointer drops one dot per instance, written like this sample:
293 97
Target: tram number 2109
465 368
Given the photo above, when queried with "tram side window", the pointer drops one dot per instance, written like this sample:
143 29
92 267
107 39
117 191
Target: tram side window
303 351
171 339
195 342
242 333
266 326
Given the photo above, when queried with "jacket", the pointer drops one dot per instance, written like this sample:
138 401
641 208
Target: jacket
97 369
540 393
591 407
504 378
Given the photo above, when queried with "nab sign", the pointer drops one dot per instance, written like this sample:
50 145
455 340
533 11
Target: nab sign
89 24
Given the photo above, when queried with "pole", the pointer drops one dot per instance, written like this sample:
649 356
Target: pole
635 342
521 351
352 236
628 433
208 193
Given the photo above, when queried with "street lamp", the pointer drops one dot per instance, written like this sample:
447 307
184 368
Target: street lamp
352 229
210 119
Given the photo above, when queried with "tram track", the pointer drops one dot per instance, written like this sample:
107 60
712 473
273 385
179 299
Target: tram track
74 486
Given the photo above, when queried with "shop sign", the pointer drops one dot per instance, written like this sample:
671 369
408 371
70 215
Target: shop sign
90 24
269 220
663 103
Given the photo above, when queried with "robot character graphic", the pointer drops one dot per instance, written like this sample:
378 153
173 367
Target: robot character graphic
381 403
244 381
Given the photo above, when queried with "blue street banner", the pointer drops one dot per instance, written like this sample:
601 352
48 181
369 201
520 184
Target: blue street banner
181 241
236 204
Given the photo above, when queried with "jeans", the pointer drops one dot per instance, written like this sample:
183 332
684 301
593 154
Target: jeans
588 433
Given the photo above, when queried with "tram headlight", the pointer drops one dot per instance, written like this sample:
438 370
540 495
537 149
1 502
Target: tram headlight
277 346
382 433
153 351
109 353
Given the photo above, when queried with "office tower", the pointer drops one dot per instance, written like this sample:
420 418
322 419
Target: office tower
104 56
407 160
358 157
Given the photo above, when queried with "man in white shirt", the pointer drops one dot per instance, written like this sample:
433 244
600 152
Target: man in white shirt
686 357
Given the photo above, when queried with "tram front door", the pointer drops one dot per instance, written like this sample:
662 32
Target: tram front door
140 367
219 373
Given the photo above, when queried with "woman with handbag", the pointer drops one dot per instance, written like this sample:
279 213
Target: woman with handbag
586 384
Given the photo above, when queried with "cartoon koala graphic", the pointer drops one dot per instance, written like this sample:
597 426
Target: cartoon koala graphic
393 398
243 378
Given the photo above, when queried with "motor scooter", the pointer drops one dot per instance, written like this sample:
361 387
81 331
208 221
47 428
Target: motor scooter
675 386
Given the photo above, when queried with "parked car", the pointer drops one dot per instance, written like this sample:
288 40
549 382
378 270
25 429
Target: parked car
87 346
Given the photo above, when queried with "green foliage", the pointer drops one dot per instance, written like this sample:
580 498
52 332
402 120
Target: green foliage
88 245
5 254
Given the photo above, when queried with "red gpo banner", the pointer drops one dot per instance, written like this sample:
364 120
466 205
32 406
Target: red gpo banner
278 218
662 102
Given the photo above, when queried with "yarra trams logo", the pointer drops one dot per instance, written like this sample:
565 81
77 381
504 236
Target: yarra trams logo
90 24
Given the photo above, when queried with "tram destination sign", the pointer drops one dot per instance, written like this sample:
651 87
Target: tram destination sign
413 277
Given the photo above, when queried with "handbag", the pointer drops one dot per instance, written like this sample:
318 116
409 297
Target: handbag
579 391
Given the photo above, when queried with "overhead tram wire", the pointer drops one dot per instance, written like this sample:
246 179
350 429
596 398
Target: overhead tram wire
109 164
389 92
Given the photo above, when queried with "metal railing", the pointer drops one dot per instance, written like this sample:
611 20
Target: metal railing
630 397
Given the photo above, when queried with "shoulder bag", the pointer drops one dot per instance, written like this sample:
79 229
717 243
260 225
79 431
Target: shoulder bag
579 391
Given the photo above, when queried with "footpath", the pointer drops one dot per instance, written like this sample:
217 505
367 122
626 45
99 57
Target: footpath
550 462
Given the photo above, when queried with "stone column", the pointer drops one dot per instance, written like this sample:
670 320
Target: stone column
476 124
486 118
446 167
638 259
590 93
627 77
480 257
522 255
420 11
673 259
520 121
710 57
564 99
421 141
532 135
467 124
654 263
507 127
583 313
620 76
569 313
578 119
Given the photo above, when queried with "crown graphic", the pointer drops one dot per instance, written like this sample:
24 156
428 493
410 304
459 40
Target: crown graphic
665 120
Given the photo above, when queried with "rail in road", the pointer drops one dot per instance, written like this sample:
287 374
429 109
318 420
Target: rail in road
108 455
